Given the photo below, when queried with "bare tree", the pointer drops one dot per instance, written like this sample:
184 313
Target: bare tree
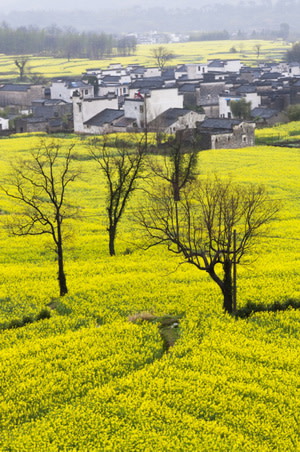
179 164
40 184
212 227
161 56
257 48
122 166
21 64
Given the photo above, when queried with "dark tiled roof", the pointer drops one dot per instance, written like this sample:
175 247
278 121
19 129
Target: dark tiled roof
170 116
49 102
12 87
271 76
246 89
181 68
219 124
216 63
156 82
111 79
138 70
104 117
124 122
188 88
264 113
168 74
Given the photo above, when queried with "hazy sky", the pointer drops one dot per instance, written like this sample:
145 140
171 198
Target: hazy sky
21 5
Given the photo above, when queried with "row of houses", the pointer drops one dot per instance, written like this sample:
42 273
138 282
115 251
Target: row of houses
132 98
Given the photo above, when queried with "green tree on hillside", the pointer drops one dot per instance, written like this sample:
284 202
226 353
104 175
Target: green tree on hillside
293 55
240 109
293 112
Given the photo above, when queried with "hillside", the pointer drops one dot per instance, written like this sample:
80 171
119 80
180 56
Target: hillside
189 52
87 379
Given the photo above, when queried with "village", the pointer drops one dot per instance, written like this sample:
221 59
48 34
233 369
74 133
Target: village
137 98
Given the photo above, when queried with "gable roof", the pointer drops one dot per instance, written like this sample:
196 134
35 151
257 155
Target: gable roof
168 74
106 116
264 113
111 79
216 63
219 124
15 87
77 84
168 117
246 89
149 83
188 87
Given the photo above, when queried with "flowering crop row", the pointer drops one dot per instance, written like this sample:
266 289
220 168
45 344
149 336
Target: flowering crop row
88 380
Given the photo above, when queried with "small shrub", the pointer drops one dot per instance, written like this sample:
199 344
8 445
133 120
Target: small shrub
27 319
251 308
15 323
43 314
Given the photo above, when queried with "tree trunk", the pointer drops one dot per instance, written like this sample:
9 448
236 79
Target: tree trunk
227 286
112 236
61 274
176 191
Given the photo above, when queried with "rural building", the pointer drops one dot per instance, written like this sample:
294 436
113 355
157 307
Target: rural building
264 117
51 108
65 89
226 99
218 65
20 95
103 122
174 119
85 109
4 124
222 133
148 104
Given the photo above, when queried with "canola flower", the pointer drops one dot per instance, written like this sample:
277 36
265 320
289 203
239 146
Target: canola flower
88 380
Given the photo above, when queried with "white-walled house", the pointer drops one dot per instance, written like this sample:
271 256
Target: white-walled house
85 109
65 89
4 124
117 85
152 72
224 65
145 108
225 99
196 71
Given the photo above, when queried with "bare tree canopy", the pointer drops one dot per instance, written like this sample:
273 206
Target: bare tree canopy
40 184
121 166
202 225
21 64
179 164
161 56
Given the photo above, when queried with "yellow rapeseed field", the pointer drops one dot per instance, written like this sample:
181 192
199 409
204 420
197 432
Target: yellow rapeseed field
189 52
87 379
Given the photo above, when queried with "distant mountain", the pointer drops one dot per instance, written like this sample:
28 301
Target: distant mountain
230 16
96 5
